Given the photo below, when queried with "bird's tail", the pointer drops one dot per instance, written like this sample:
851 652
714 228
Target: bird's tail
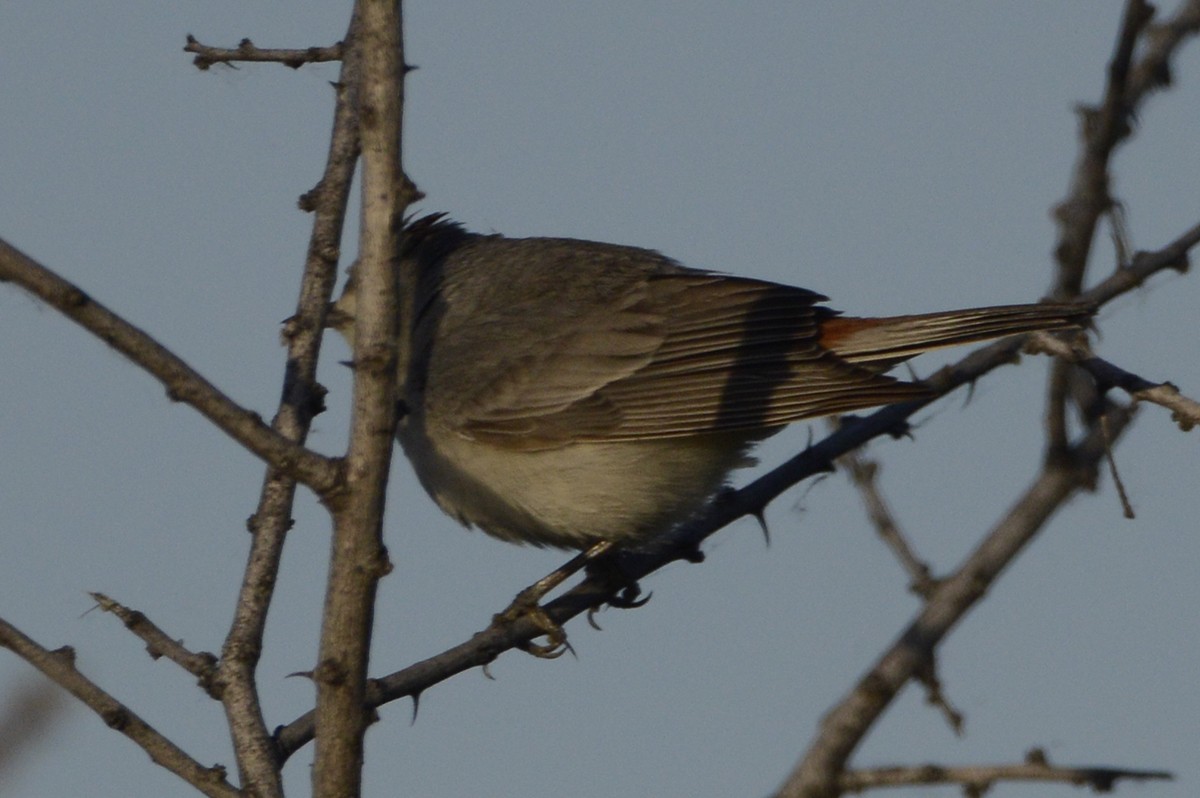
883 342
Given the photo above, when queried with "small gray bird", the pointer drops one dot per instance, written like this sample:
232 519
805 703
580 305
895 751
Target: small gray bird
563 393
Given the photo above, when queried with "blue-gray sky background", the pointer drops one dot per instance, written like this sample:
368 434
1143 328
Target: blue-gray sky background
897 157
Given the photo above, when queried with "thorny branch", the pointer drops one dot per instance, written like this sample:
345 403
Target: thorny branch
1184 411
182 382
978 779
358 559
1102 129
59 666
254 747
201 664
864 475
682 544
247 51
843 728
1130 81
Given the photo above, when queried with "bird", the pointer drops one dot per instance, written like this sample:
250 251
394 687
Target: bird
568 393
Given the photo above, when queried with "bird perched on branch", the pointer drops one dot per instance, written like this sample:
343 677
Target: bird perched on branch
566 393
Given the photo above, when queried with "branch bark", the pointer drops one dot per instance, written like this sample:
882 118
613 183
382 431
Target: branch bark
59 666
254 746
980 778
358 558
819 772
183 383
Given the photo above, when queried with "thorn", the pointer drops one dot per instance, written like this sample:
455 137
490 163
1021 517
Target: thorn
901 430
1126 505
759 516
416 697
970 393
628 599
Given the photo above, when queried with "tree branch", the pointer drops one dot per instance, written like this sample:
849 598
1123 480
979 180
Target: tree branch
1184 411
59 666
358 557
864 475
682 542
202 665
254 747
183 384
980 778
246 51
1102 130
843 728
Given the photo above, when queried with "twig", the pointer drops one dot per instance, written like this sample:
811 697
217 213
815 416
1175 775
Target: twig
843 727
1102 130
864 475
59 666
1153 71
1185 411
1143 266
981 777
246 51
927 675
201 664
183 383
258 761
1126 505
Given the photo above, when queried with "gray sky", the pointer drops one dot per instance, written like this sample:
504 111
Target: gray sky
896 157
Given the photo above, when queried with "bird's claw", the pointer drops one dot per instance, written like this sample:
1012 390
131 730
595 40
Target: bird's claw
627 597
525 605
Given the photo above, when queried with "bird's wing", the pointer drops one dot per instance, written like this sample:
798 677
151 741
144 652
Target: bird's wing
679 354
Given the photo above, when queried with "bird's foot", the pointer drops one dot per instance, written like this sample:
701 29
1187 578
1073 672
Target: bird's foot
527 604
624 592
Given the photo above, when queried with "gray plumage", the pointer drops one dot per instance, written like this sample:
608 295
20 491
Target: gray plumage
561 392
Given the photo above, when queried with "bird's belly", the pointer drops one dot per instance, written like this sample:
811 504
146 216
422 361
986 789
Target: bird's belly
575 495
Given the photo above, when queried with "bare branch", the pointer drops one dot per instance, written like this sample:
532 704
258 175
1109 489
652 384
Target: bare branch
1102 130
680 544
202 665
982 777
59 666
258 761
1184 411
935 696
1144 265
864 475
1153 71
359 559
844 727
183 384
246 51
